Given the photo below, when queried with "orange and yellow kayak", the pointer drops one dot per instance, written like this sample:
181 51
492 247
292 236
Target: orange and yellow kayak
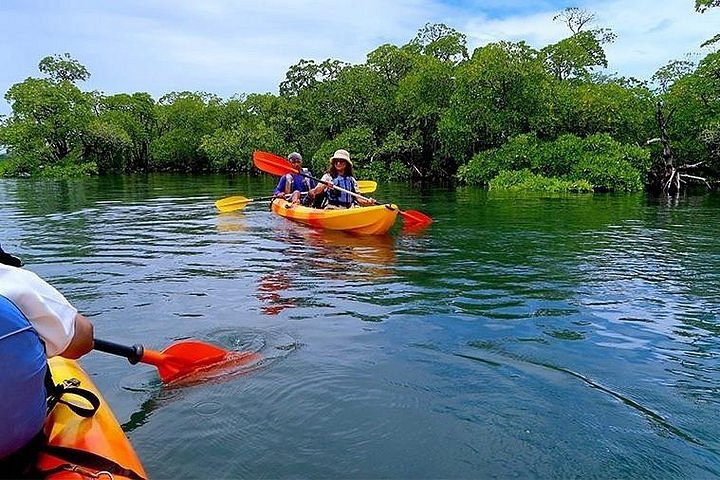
374 220
82 448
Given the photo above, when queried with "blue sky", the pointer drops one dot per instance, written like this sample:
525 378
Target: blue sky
236 46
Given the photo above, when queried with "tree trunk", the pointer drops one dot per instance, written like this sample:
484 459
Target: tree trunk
669 179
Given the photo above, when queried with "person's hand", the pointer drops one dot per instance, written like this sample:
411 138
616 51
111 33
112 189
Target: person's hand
372 201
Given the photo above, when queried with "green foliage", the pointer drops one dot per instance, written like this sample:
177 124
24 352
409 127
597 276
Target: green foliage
669 74
484 166
609 165
183 118
358 141
386 162
598 159
134 116
525 180
63 68
425 109
306 74
231 150
624 112
70 170
575 55
500 93
693 103
48 119
106 145
441 42
702 5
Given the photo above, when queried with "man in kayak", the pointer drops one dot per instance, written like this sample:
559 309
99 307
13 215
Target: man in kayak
294 184
36 322
340 174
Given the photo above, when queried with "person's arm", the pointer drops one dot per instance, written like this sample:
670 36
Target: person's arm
280 189
56 321
82 340
324 181
289 183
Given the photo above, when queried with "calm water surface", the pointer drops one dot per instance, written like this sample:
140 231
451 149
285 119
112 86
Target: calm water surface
519 336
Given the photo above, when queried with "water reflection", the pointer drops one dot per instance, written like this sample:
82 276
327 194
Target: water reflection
372 254
234 222
270 287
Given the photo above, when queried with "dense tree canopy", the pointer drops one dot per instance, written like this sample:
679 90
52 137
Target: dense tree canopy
428 109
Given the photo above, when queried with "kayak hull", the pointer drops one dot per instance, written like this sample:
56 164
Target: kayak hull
375 220
100 435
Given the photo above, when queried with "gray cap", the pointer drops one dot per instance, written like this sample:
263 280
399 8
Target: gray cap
295 156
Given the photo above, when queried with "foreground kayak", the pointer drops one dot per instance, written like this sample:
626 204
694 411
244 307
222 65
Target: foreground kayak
80 448
374 220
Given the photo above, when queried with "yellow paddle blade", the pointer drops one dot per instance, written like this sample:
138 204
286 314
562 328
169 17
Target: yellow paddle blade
367 186
230 204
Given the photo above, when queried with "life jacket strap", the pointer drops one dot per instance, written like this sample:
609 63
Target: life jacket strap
69 386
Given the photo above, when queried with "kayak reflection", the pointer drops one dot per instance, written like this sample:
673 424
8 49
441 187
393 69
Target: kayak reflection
268 293
233 222
313 257
370 255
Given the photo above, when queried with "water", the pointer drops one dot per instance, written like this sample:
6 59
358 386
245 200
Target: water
519 336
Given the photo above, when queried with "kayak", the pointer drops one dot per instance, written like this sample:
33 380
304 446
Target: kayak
374 220
78 447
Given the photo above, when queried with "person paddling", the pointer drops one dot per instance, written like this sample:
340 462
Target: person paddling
36 322
293 183
340 174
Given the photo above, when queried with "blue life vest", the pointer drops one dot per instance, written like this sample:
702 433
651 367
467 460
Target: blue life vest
299 183
22 379
336 197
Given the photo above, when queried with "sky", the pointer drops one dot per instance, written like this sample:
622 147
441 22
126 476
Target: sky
237 46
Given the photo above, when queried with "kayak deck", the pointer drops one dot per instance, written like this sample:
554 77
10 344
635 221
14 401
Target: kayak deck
99 435
374 220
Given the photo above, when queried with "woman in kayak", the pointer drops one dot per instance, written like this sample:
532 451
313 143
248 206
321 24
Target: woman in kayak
36 322
294 183
340 175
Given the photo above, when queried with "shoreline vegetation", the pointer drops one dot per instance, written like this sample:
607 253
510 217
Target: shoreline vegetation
505 116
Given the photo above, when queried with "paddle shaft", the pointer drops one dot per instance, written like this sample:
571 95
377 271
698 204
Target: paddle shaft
134 354
261 199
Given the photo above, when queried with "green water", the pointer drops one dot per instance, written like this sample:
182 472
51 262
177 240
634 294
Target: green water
519 336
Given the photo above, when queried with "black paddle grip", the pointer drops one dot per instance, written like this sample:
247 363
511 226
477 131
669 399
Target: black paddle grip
134 354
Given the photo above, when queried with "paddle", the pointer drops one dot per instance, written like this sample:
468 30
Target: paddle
277 165
237 202
230 204
178 360
367 186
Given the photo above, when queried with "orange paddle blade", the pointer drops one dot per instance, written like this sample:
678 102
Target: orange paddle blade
417 219
272 164
183 358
